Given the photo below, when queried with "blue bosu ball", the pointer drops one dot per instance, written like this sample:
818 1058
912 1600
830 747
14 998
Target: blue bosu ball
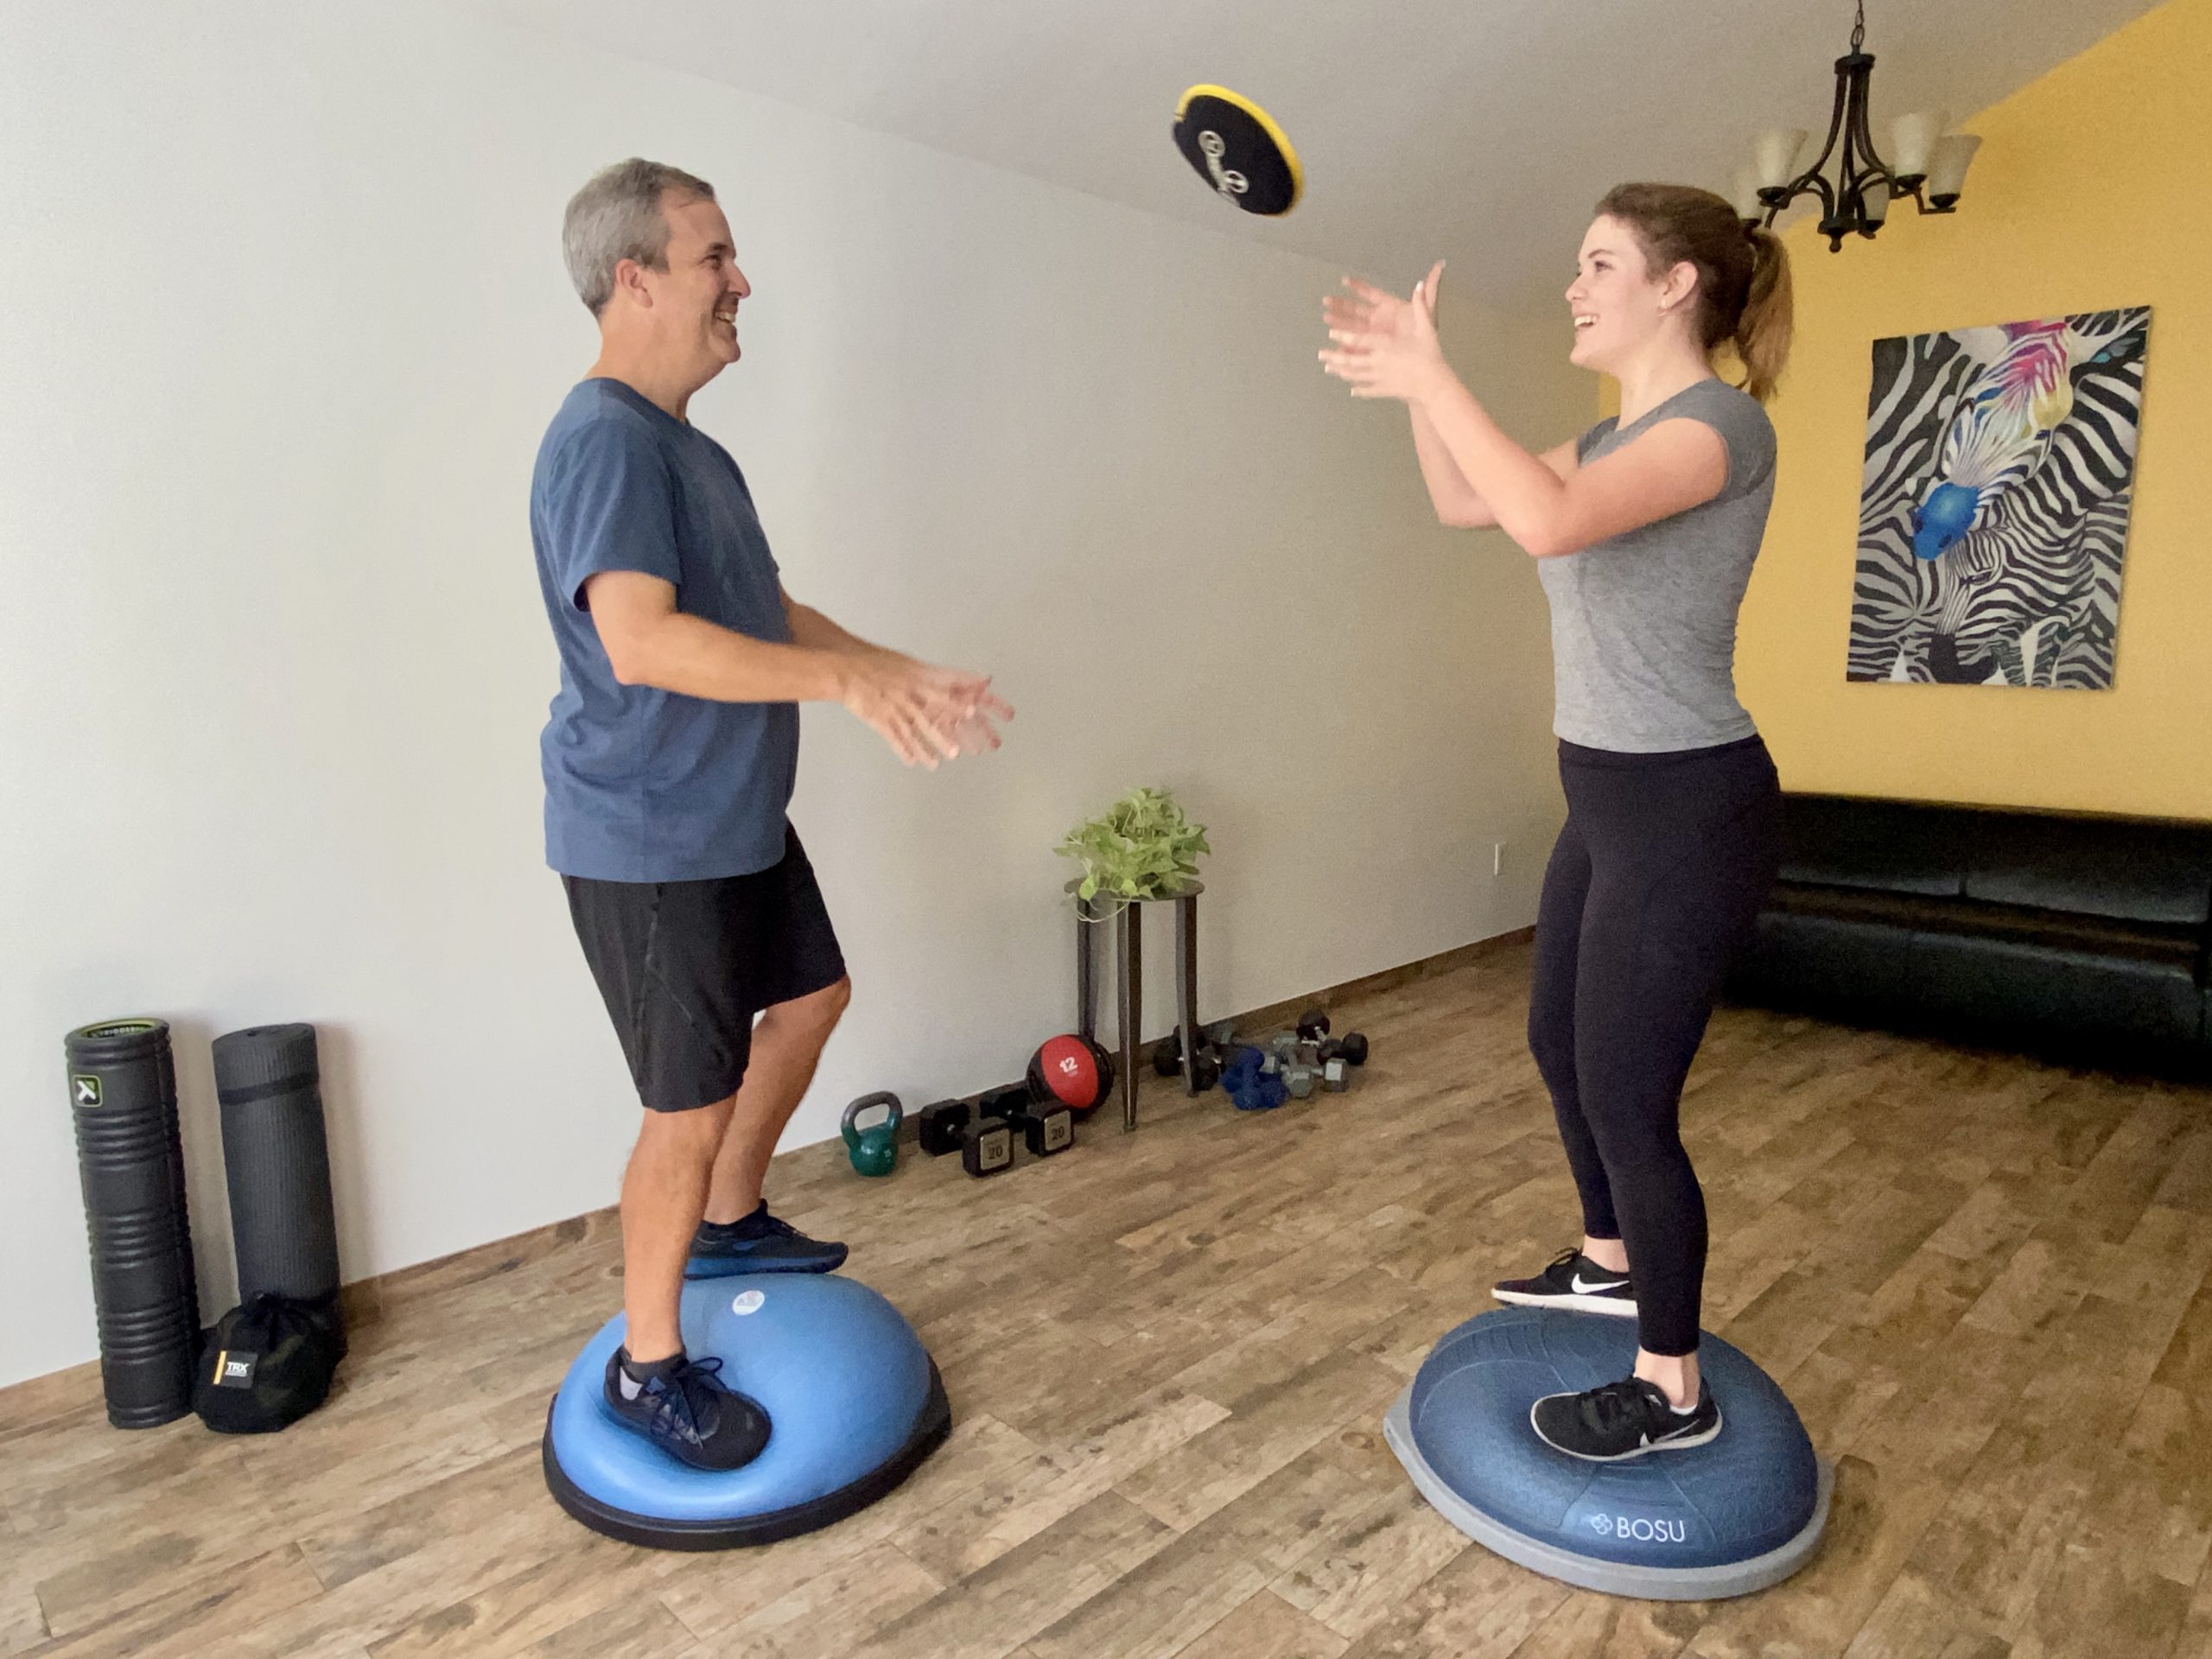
854 1403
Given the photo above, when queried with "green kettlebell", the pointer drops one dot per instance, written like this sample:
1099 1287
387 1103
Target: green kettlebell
874 1150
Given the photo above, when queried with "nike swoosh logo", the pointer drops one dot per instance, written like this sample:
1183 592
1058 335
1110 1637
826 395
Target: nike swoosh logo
1605 1284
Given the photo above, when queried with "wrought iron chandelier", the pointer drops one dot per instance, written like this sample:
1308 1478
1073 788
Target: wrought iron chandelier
1930 166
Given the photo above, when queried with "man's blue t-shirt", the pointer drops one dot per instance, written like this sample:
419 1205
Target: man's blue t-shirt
643 785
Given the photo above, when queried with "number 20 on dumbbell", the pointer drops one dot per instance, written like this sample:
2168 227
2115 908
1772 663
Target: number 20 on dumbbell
983 1140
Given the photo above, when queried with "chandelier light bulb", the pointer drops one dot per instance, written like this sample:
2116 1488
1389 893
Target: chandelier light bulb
1912 140
1775 155
1947 168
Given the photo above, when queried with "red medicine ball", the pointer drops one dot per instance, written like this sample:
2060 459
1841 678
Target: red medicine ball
1072 1071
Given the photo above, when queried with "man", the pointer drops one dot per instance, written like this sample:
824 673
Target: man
669 760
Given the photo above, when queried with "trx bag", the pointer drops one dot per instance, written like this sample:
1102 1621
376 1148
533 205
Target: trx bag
267 1365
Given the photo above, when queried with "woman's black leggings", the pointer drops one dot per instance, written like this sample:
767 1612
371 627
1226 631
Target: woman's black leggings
1654 886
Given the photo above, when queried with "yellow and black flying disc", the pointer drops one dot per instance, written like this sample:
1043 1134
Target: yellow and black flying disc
1238 150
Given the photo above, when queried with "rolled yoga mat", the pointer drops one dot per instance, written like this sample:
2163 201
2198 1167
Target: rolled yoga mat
131 1162
276 1161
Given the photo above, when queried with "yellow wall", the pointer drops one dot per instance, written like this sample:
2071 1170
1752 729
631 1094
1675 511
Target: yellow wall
2092 190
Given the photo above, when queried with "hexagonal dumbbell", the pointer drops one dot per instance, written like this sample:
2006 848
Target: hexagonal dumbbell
1351 1048
987 1147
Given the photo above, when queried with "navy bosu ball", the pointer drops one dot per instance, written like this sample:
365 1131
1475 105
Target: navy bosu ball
1737 1515
854 1402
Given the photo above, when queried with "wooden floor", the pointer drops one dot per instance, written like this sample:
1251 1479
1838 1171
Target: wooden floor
1983 1281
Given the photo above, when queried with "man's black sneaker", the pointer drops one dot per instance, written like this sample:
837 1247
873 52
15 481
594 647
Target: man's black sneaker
1622 1419
759 1242
682 1408
1572 1281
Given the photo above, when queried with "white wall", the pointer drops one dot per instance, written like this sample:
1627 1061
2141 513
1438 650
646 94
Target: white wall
286 320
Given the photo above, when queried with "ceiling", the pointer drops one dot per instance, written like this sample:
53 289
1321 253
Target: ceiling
1476 130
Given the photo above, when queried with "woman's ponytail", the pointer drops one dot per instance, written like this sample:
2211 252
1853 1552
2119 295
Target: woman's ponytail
1762 336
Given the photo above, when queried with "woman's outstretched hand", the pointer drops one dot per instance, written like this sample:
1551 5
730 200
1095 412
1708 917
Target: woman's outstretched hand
1384 347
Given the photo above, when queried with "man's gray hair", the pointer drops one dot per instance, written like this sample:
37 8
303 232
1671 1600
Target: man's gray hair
618 216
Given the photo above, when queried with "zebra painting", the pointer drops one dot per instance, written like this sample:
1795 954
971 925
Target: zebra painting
2000 466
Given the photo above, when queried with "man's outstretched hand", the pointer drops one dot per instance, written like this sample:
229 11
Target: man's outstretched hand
924 712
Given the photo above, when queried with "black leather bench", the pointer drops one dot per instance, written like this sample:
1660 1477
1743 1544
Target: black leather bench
2087 937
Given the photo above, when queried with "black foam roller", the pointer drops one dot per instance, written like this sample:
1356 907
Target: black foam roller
131 1162
276 1161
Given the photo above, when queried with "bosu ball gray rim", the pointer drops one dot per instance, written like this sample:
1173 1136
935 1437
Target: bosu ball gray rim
1235 146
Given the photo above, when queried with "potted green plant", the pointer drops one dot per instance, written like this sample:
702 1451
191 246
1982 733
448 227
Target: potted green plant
1144 846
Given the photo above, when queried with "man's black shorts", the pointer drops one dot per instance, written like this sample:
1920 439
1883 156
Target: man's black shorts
684 967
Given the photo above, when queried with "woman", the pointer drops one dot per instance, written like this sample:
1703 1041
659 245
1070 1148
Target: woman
1643 531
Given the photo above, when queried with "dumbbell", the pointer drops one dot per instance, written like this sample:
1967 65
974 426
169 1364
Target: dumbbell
1205 1066
986 1146
1313 1025
1047 1129
1044 1126
943 1125
1251 1088
1008 1103
1334 1075
1299 1079
1351 1048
